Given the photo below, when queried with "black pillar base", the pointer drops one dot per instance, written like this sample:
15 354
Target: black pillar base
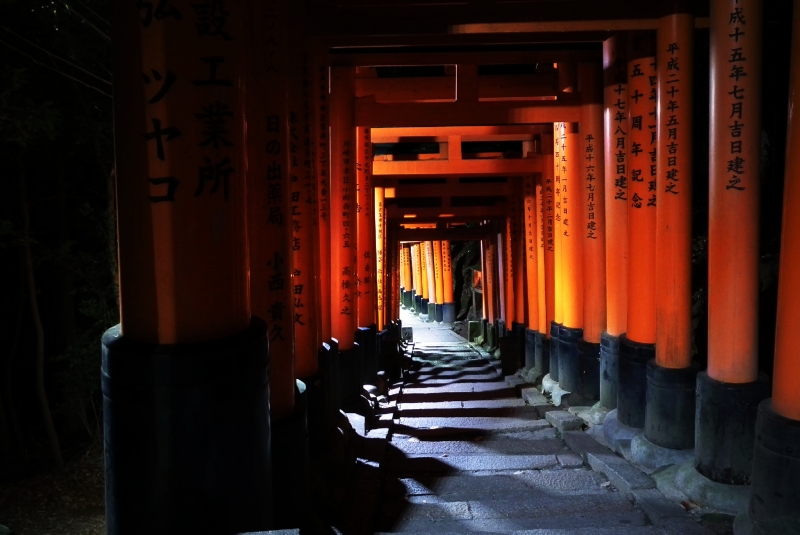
350 378
431 311
725 428
367 338
448 312
410 299
632 386
423 306
318 413
187 434
568 368
542 365
417 304
589 370
670 410
530 349
776 466
518 332
555 349
402 296
290 468
609 370
490 335
439 316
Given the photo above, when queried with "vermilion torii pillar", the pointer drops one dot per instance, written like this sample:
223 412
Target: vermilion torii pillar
776 459
380 262
591 162
365 227
549 230
559 146
724 438
520 279
366 336
430 269
439 276
416 279
615 97
448 306
637 344
305 238
320 77
187 331
572 208
508 270
669 417
532 240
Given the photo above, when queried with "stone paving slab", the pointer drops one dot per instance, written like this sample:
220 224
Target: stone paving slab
474 410
446 463
483 446
519 420
634 530
530 482
564 523
493 387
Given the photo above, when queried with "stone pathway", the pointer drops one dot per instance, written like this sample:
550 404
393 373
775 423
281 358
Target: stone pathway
467 454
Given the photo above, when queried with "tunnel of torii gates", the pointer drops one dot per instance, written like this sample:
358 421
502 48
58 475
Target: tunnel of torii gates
266 250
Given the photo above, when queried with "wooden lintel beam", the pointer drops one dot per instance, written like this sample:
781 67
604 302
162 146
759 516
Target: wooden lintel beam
488 167
394 57
450 213
467 133
452 189
452 234
607 25
374 114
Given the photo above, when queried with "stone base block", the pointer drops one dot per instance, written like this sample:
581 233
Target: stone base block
725 428
555 350
647 454
632 388
701 490
609 370
618 435
776 467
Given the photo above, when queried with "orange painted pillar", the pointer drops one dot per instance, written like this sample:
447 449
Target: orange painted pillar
343 207
534 260
518 233
671 377
186 322
269 218
572 231
776 467
636 345
544 234
394 284
414 275
733 249
548 237
380 260
430 269
559 158
484 310
305 237
365 228
532 241
438 276
508 270
489 281
423 275
320 94
592 175
615 148
448 306
418 276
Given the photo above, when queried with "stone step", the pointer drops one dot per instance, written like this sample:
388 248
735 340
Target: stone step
531 482
516 418
481 445
634 530
398 463
618 521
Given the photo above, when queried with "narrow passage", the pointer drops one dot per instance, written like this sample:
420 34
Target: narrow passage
467 454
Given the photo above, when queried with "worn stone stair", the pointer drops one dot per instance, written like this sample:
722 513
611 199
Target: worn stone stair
466 453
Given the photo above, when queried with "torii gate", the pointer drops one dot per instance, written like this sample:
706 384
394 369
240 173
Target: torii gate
252 215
